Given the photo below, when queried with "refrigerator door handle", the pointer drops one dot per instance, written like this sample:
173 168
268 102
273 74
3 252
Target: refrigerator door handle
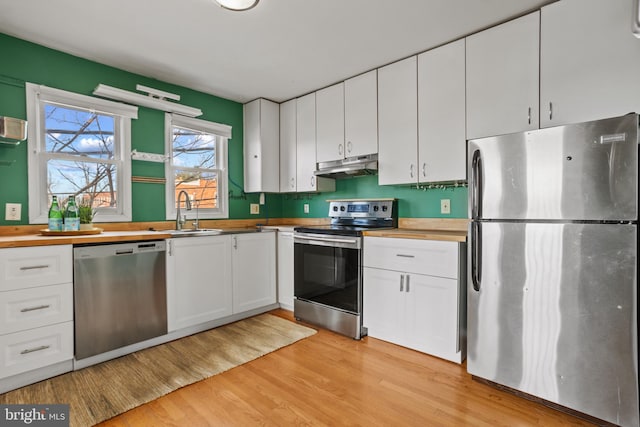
476 255
476 184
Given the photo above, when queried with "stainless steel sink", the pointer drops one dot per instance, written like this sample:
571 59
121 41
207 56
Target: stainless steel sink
194 232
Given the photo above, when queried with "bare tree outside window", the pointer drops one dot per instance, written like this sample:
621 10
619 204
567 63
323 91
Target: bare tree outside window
195 166
80 156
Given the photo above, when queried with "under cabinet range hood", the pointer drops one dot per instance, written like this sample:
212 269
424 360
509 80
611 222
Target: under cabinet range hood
346 168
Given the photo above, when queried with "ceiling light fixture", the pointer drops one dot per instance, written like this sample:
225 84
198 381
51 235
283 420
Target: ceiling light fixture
237 5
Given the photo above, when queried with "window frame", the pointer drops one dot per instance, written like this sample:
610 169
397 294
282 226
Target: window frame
223 134
37 96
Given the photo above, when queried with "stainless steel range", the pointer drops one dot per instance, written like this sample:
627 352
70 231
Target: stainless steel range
328 264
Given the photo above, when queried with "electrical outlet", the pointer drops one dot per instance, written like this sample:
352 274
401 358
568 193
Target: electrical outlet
306 208
445 206
13 211
254 209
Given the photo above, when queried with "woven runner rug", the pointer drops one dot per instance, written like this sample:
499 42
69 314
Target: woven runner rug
102 391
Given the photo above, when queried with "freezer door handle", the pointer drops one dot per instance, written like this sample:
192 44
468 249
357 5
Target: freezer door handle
476 255
476 184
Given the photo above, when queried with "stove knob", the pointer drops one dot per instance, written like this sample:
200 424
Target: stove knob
335 209
376 208
341 208
384 208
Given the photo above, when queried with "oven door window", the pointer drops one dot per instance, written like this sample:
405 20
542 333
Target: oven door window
327 275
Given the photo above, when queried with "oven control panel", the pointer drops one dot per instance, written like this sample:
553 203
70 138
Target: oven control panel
361 209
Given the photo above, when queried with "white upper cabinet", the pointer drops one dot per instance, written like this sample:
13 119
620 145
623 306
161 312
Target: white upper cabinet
306 147
589 61
330 123
361 114
441 114
306 142
503 78
288 146
261 146
398 122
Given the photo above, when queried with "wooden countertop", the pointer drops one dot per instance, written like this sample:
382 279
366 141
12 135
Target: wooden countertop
104 237
451 230
402 233
409 228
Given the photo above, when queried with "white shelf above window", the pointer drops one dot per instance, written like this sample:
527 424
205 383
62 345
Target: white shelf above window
152 100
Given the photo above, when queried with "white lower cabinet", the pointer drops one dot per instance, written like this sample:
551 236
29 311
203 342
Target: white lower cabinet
406 299
35 348
36 314
199 287
253 270
285 269
211 277
34 307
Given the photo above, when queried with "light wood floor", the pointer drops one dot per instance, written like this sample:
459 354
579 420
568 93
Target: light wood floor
331 380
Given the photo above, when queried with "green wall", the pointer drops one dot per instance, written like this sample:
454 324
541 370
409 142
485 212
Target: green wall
412 202
37 64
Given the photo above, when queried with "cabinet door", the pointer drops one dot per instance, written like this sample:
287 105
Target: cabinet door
306 142
330 123
306 181
589 61
285 270
361 114
288 146
441 114
383 305
261 146
198 280
431 320
398 123
254 271
503 78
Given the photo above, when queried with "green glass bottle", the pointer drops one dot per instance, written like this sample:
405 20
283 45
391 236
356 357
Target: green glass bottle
55 215
71 217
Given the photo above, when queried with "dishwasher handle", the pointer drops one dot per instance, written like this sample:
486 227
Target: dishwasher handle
119 249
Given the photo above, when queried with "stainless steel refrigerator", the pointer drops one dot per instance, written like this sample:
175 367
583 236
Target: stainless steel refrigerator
552 293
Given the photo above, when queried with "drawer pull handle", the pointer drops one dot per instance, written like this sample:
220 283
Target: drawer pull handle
34 267
405 256
32 350
407 287
40 307
401 282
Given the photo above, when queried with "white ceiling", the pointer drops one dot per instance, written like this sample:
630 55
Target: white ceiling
278 50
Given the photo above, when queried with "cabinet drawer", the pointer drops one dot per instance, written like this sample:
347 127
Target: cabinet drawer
430 257
35 266
34 307
35 348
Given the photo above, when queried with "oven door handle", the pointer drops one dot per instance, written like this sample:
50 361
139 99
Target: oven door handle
327 239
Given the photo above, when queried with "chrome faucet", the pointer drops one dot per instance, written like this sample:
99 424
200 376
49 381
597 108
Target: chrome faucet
187 205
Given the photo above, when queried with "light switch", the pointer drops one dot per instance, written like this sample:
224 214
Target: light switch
254 209
306 208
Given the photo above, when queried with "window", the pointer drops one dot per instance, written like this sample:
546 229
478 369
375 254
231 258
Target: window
80 148
197 152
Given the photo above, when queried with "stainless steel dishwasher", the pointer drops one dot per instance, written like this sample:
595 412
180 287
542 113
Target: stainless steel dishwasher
119 294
